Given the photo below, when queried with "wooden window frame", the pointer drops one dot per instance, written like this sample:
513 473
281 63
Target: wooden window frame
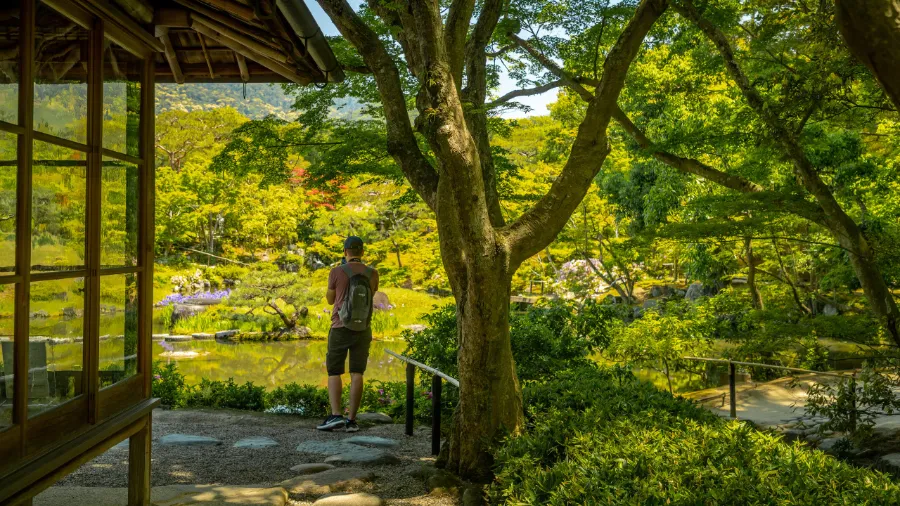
27 439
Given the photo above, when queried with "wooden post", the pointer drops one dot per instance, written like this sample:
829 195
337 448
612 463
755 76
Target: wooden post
435 414
139 465
731 389
410 397
852 393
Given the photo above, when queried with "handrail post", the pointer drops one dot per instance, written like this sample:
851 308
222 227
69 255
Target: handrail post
410 397
435 414
853 403
732 388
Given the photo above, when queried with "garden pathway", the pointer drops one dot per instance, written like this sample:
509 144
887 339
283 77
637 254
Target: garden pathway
224 457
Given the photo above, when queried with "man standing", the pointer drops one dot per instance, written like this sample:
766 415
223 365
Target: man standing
351 288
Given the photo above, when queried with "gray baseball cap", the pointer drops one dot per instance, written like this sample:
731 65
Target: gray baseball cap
353 242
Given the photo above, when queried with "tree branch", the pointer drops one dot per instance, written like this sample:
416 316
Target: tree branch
537 90
538 226
455 31
401 141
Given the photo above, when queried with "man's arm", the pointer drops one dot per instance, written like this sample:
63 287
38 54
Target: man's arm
332 288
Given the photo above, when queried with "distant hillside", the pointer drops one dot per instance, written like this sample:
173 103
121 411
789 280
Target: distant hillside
261 100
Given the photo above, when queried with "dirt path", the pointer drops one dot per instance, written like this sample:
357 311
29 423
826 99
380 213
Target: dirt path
396 483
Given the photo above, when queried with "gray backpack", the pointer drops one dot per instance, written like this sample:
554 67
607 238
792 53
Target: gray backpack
356 310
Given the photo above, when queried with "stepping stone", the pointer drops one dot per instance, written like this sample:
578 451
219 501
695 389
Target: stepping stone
333 480
311 468
256 442
159 337
372 441
343 452
361 499
188 440
178 339
891 459
374 418
202 336
222 334
372 457
219 495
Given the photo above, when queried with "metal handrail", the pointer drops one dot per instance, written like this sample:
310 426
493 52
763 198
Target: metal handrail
770 366
432 370
436 385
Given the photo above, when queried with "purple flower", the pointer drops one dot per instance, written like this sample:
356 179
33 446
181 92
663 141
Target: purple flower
381 391
157 377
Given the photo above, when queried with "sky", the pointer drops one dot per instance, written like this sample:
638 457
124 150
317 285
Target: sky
538 103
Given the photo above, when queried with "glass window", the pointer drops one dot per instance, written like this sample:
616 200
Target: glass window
9 64
60 76
56 347
7 311
59 185
121 100
118 327
8 171
118 214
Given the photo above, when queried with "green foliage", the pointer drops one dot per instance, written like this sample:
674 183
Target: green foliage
168 384
274 293
303 399
225 394
850 405
599 436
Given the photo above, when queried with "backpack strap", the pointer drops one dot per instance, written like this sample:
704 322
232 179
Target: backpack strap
367 272
347 270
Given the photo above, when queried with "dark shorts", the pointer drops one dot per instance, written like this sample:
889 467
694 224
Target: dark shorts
340 342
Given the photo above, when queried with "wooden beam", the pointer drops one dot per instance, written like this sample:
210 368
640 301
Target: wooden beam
121 29
255 28
146 224
212 75
242 65
172 18
92 236
274 66
243 39
137 10
238 9
163 33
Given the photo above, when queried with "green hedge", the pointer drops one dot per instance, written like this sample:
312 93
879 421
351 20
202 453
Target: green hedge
599 436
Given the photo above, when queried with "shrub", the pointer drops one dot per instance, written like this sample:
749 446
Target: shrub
599 436
305 400
168 384
225 394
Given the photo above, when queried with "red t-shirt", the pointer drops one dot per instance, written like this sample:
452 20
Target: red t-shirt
339 282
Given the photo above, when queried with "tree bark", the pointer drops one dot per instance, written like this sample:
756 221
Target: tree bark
755 296
871 28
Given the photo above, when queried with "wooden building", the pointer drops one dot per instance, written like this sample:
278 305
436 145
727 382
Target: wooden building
76 207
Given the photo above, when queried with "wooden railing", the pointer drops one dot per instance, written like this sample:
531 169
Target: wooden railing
436 385
732 383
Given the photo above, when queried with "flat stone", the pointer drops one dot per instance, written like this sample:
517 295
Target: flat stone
222 334
202 336
374 418
256 442
372 457
891 459
160 337
218 495
188 440
828 443
372 441
178 339
311 468
361 499
340 479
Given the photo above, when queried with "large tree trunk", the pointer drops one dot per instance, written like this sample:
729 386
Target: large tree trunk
755 296
490 397
871 29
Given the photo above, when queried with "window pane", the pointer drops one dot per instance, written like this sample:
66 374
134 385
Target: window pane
56 348
7 311
60 76
8 167
118 214
121 100
9 64
118 328
59 184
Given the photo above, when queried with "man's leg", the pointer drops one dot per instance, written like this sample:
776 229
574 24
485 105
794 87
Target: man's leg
335 388
356 389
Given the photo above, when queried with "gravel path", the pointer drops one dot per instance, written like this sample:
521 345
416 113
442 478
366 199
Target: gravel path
224 464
